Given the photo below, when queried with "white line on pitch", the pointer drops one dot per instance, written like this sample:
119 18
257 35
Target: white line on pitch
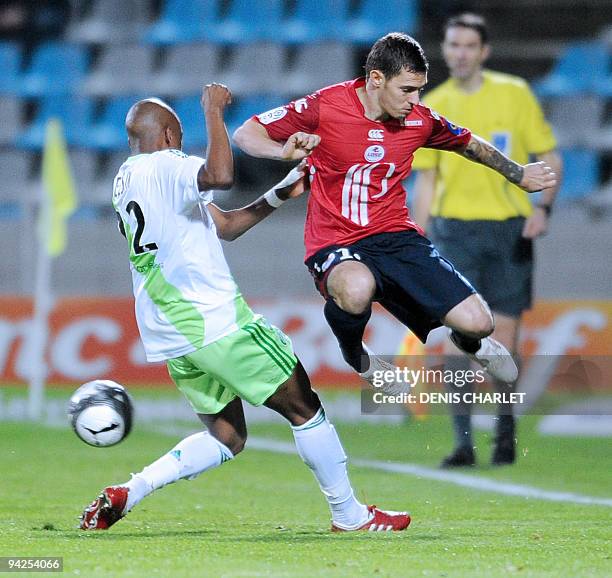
465 480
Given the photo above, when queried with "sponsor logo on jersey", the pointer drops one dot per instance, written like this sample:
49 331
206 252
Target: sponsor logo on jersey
413 123
272 115
300 104
374 153
376 134
453 127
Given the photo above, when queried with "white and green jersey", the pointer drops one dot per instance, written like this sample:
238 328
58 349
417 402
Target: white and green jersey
185 294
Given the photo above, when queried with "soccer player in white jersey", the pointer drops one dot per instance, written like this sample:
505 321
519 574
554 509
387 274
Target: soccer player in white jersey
191 314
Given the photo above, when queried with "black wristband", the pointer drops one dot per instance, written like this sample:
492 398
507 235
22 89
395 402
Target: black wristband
546 208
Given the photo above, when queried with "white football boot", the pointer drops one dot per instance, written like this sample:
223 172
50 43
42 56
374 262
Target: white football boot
377 364
494 358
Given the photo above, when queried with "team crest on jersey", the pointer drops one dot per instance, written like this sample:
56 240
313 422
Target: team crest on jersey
272 115
374 153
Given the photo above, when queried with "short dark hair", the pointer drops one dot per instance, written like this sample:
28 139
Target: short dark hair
396 51
470 20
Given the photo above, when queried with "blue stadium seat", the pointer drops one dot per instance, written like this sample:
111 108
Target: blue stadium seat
56 68
190 112
10 61
577 71
246 21
314 21
75 114
108 133
580 173
183 21
370 22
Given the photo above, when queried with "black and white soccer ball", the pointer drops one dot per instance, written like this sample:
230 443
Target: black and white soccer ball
101 413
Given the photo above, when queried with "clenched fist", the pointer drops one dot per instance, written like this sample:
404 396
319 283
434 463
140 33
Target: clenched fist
299 145
215 97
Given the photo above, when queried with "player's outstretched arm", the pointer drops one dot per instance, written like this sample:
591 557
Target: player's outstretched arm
531 177
254 140
217 172
231 224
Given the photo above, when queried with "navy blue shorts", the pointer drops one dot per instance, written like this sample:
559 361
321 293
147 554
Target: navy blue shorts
413 282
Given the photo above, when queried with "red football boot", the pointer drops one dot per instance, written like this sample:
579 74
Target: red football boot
106 509
380 521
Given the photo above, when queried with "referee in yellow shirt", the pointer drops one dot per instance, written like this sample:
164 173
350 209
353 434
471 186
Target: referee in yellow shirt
478 220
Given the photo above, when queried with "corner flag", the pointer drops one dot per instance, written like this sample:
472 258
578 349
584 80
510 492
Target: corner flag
58 188
58 202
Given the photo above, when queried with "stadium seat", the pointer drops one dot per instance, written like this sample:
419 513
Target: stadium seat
122 69
580 173
108 133
256 68
315 21
110 21
246 21
187 68
10 119
572 128
190 112
370 22
56 68
10 62
15 171
75 112
316 66
183 21
577 71
83 164
110 168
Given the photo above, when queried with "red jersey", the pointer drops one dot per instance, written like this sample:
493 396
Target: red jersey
357 170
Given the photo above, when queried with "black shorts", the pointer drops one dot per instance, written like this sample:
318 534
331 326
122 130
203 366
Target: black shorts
494 256
413 282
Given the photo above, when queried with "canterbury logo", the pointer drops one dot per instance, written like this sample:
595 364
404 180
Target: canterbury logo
376 134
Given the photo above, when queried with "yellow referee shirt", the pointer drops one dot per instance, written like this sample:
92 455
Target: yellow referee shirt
506 113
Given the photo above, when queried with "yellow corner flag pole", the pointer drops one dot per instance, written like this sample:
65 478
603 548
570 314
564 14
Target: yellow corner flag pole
57 202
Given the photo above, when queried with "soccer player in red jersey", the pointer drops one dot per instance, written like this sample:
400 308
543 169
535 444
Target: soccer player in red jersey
361 244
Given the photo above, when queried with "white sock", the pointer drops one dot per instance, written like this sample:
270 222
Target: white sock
318 445
188 459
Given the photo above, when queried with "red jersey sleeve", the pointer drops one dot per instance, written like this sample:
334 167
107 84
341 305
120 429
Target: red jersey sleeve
301 115
444 134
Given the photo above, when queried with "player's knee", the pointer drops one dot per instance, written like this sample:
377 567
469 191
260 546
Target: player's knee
356 298
471 317
482 324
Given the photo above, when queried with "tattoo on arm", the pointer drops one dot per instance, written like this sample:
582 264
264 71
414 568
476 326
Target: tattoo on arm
481 151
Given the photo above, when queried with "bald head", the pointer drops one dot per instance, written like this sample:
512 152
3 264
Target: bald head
153 126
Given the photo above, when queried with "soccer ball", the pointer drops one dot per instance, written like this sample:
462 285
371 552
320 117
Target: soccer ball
101 413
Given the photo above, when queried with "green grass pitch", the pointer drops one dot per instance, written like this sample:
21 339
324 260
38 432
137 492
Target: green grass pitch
263 515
